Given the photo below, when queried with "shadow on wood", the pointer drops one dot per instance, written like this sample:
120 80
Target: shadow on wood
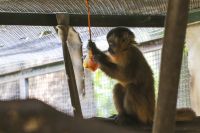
34 116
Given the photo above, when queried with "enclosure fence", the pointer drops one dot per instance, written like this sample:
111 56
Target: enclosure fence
52 87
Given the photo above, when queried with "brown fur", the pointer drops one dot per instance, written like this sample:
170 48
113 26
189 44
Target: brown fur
134 93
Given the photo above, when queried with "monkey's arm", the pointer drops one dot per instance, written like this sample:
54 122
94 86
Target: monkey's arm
103 60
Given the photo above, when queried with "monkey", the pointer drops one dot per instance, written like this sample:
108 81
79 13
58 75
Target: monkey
133 94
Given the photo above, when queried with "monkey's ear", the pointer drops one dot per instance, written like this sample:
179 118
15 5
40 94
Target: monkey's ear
129 36
126 36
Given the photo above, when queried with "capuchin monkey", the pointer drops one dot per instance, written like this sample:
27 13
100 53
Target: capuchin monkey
133 94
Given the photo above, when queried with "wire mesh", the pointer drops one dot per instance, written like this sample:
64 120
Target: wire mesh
107 7
53 89
22 55
9 90
153 58
183 99
103 86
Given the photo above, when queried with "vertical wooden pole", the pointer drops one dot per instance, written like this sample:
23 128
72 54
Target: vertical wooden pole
63 20
175 28
23 88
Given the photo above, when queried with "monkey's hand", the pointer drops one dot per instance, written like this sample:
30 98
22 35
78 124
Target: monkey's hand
92 47
97 54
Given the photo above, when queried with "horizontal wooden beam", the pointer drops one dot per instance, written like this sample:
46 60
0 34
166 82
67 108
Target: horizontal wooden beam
194 16
37 19
48 119
150 46
31 72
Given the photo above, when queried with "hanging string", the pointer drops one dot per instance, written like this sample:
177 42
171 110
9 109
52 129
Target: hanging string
89 25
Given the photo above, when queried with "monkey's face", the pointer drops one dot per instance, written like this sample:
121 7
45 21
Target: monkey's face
119 43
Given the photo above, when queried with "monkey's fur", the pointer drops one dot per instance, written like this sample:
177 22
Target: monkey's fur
134 93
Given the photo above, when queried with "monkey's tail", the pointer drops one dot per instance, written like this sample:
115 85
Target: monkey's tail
185 114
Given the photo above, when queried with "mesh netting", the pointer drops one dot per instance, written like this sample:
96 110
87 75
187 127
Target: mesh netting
97 6
9 90
29 46
53 89
26 58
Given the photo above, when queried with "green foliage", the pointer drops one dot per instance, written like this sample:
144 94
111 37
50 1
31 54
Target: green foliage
156 82
103 86
185 51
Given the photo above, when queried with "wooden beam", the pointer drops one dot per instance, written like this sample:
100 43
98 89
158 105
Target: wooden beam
28 116
63 21
20 116
194 16
150 46
175 29
31 72
37 19
23 88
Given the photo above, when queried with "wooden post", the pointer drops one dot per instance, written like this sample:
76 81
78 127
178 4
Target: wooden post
63 20
23 88
175 29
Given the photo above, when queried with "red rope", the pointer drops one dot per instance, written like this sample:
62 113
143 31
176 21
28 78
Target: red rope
89 26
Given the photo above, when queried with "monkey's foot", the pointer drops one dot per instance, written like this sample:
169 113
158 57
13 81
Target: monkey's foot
122 120
125 120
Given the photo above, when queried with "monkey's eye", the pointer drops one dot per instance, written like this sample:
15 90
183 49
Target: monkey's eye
111 45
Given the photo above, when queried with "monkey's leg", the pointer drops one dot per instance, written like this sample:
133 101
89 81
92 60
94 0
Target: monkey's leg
137 104
118 97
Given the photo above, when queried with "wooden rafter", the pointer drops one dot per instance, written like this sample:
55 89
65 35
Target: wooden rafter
37 19
81 20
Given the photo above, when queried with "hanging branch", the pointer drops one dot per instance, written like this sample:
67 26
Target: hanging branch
63 28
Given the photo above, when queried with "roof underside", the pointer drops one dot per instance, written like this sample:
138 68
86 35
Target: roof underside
27 46
104 7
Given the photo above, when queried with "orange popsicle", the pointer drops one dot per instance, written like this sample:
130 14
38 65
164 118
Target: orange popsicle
89 62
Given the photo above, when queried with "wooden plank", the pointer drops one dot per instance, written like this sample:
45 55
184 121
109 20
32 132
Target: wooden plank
59 66
28 116
17 116
81 20
31 72
172 51
97 20
194 16
151 46
63 20
23 85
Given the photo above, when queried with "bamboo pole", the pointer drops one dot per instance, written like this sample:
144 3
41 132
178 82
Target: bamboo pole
175 29
63 20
